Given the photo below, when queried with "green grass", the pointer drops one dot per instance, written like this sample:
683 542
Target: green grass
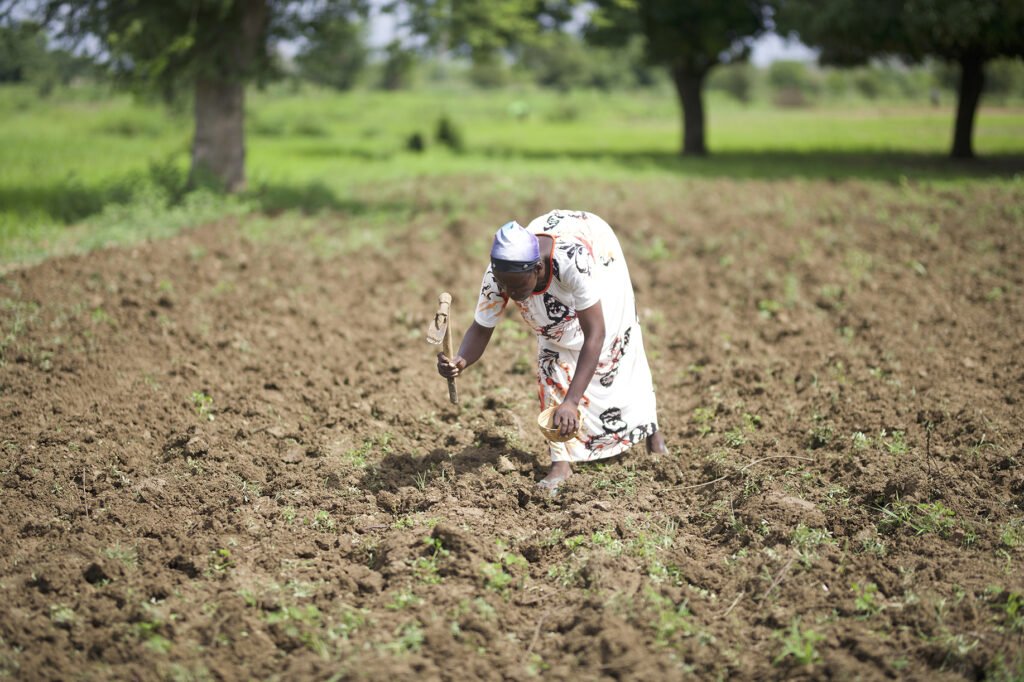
115 167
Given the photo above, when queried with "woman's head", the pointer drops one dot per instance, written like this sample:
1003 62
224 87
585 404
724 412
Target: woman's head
515 260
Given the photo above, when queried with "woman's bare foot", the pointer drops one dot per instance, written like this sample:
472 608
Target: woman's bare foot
559 472
656 444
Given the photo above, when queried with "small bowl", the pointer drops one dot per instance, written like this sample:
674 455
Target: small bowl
547 428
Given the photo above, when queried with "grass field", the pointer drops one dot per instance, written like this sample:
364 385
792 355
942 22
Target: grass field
114 167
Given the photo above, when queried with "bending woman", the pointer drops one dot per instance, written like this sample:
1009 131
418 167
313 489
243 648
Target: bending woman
567 275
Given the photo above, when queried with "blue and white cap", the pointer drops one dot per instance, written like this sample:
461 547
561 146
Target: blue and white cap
515 249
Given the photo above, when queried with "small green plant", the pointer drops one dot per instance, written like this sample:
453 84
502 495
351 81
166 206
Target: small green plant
860 440
923 518
403 600
656 250
799 644
305 624
768 307
148 631
806 540
820 435
703 417
935 517
426 567
896 444
220 561
1013 533
837 496
408 639
671 619
203 404
322 521
734 438
1013 612
128 556
866 599
62 615
565 574
403 522
358 457
497 577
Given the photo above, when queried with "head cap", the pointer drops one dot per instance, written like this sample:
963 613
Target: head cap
515 249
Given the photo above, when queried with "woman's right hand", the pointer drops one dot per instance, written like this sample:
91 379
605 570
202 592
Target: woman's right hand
450 369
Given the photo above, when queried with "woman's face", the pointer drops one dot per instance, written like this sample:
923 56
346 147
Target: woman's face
518 285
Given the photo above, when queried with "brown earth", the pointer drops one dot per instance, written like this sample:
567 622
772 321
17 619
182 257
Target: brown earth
228 455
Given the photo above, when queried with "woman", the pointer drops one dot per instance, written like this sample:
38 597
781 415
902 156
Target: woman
567 275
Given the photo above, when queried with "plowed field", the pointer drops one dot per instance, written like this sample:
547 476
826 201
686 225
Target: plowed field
228 455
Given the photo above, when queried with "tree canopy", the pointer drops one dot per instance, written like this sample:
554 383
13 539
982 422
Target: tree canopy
968 32
689 38
212 46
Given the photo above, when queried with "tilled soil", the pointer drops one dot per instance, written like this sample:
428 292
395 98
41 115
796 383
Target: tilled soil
228 455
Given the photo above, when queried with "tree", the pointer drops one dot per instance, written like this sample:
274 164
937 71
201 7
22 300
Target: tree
213 47
335 53
480 30
689 37
966 32
25 58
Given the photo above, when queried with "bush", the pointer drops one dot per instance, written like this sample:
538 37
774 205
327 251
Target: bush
488 72
415 143
398 68
793 83
449 135
737 80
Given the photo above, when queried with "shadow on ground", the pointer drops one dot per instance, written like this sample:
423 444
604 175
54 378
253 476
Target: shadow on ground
74 201
400 469
780 165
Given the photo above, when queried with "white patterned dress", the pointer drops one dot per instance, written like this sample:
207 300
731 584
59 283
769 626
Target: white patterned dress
618 408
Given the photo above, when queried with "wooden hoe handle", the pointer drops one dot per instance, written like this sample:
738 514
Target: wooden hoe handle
444 303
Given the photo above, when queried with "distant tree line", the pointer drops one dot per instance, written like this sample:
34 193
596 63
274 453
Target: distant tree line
213 48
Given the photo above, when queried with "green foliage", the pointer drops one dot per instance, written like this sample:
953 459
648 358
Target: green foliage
322 521
563 62
500 575
806 540
737 80
25 58
895 442
479 28
672 620
426 567
335 52
969 32
449 135
799 645
399 64
203 404
866 599
1013 533
704 418
408 639
923 518
693 35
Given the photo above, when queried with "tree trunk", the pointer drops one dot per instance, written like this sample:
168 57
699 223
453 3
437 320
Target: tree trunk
972 80
689 86
218 149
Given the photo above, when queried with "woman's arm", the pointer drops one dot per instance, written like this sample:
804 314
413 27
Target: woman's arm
592 324
472 347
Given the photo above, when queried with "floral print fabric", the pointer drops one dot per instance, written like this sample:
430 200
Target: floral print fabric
618 407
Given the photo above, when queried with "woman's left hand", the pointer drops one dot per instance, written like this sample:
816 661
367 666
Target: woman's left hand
566 418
